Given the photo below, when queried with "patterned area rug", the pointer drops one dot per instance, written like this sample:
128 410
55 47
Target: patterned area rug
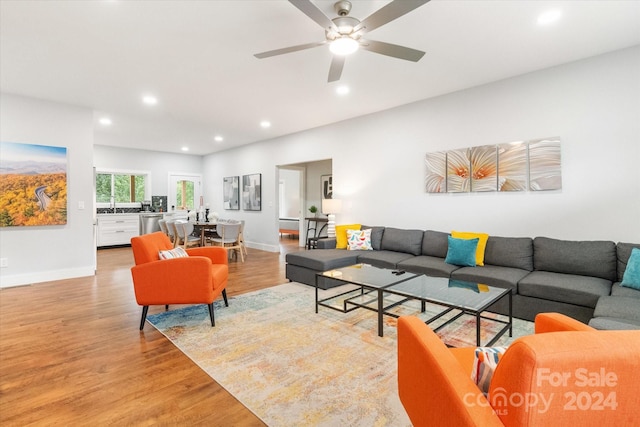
291 366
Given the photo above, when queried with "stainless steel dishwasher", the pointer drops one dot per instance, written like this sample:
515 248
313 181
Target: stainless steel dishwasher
149 222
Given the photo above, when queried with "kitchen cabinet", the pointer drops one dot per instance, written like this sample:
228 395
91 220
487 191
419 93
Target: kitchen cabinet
117 229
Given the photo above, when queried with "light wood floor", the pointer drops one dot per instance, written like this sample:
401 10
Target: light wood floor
71 352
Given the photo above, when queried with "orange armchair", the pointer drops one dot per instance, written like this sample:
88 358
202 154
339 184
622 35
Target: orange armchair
199 278
565 374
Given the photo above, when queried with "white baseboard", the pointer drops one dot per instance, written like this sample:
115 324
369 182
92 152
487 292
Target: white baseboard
263 247
45 276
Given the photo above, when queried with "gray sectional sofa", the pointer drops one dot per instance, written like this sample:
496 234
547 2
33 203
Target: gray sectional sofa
578 278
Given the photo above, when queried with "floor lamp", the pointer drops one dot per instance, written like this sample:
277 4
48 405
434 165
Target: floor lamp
331 207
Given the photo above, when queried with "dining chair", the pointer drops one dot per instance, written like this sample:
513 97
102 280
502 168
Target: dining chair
163 226
171 230
243 248
184 237
229 233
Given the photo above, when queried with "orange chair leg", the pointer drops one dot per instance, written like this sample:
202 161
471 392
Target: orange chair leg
145 309
213 322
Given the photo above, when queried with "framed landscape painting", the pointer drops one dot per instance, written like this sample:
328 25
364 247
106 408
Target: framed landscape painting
231 192
251 192
33 188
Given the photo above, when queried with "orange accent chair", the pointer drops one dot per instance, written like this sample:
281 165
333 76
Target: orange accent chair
199 278
567 373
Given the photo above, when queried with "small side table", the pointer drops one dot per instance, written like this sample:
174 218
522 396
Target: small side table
312 242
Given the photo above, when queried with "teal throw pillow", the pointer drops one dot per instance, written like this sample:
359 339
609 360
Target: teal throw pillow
462 252
631 277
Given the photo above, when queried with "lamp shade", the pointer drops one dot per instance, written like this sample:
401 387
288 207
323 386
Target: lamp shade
331 206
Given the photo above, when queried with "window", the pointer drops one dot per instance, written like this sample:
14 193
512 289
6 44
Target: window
185 195
120 188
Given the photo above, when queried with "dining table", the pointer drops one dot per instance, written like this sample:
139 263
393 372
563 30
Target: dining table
204 226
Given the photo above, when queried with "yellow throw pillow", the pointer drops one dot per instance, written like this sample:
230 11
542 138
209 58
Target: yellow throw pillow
482 242
341 234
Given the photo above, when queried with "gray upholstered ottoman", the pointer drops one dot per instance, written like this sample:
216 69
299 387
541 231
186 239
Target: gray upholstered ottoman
302 266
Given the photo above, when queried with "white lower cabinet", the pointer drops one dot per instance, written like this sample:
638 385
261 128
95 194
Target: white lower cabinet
117 229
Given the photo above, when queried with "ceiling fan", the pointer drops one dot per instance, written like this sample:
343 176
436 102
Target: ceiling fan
344 33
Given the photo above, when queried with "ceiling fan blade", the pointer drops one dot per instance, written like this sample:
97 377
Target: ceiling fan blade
312 11
289 49
394 50
335 71
388 13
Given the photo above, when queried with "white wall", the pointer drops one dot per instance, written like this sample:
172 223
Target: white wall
378 160
156 162
42 253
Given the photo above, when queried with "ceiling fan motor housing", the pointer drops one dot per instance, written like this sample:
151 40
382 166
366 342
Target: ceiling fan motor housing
342 8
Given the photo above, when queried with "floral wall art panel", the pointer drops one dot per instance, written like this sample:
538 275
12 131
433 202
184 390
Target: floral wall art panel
484 168
544 164
512 166
458 171
33 184
435 180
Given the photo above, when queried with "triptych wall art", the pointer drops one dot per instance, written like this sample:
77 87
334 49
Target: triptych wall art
251 192
33 188
517 166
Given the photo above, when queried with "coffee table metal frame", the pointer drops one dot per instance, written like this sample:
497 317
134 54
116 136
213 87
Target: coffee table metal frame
383 278
475 311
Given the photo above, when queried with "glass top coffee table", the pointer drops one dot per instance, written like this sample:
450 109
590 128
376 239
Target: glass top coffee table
465 297
370 283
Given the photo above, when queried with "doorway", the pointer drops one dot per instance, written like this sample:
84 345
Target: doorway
290 201
185 191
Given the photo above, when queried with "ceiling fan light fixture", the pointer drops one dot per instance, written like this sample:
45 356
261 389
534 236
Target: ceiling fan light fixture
344 45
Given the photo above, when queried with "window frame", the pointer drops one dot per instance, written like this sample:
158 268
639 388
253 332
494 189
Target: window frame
128 172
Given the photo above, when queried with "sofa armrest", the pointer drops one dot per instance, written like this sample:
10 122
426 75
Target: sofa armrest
434 388
556 322
327 243
173 281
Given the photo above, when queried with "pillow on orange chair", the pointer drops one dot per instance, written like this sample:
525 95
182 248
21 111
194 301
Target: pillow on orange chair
485 362
173 253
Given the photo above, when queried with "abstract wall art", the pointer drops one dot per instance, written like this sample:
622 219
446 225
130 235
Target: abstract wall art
33 185
231 192
251 192
516 166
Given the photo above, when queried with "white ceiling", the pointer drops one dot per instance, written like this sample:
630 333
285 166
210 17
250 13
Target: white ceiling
197 58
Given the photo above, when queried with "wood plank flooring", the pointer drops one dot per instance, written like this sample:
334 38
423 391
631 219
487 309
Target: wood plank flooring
71 352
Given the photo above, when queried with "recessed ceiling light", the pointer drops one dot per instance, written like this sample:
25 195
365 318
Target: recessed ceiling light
342 90
105 121
218 138
150 100
185 148
549 17
265 124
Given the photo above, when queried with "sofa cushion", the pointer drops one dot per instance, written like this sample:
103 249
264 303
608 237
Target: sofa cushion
482 242
623 251
502 277
611 323
618 307
382 259
376 236
341 234
323 259
631 277
567 288
623 291
516 252
583 258
435 243
462 252
398 240
359 240
429 265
